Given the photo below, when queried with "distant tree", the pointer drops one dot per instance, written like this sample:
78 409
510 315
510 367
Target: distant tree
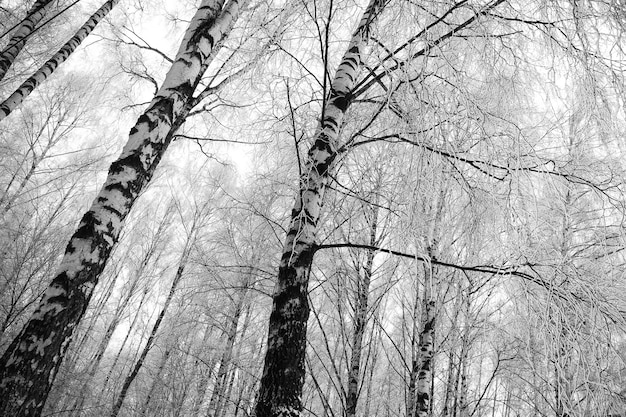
283 376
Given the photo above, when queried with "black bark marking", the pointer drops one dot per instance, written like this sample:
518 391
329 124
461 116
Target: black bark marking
87 226
342 102
284 363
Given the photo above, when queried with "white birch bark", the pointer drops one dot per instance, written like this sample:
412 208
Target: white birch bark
57 59
28 366
360 322
8 55
280 392
426 349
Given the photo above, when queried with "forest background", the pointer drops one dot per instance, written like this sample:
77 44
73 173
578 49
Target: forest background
420 204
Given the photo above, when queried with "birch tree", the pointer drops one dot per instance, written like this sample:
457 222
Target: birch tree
24 29
28 366
280 393
27 87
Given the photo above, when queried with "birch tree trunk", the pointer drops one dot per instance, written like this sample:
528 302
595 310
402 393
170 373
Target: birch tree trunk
57 59
426 348
8 55
29 365
360 321
421 377
280 393
94 363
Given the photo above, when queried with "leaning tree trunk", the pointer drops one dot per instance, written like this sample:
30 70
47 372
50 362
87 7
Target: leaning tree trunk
155 329
280 393
26 27
57 59
94 363
28 366
155 381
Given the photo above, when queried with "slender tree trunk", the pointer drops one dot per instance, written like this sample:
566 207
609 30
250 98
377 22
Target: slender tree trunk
155 381
203 382
222 371
370 385
426 348
57 59
360 322
280 393
454 372
123 345
29 365
8 55
462 404
412 394
155 328
7 200
222 406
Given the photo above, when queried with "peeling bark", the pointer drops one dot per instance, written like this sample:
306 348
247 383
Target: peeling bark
29 365
57 59
280 392
35 15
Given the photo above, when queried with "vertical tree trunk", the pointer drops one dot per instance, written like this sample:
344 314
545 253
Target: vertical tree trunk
28 366
222 372
222 406
280 393
35 15
426 348
455 356
412 394
462 403
203 381
360 322
57 59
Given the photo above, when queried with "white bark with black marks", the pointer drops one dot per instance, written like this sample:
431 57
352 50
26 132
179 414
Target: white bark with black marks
280 393
53 63
29 365
26 27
